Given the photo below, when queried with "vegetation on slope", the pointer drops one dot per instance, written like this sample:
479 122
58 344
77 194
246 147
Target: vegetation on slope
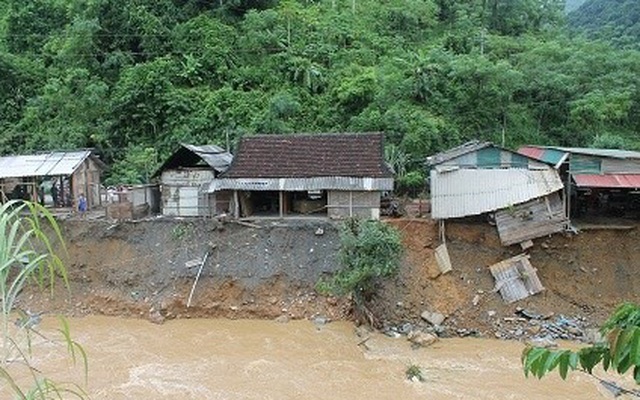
134 79
572 5
613 20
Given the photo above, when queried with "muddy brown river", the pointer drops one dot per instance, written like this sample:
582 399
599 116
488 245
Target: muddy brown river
249 359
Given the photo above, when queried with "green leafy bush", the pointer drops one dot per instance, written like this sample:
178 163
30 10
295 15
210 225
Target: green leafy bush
369 250
412 183
414 372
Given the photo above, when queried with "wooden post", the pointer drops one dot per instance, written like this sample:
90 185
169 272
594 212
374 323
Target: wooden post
281 203
193 288
351 204
61 194
568 194
87 195
236 204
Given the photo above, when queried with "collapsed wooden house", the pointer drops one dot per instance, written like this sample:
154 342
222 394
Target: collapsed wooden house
55 179
337 175
481 178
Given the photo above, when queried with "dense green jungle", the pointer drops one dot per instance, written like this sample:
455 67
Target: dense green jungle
133 79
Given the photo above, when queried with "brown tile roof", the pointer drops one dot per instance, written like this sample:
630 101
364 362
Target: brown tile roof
305 156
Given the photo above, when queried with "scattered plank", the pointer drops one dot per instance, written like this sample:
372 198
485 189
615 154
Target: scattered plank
247 224
527 244
442 258
594 227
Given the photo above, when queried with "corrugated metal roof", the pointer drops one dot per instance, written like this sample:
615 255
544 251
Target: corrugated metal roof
189 156
466 192
533 152
302 184
609 181
46 164
455 152
217 157
551 156
612 153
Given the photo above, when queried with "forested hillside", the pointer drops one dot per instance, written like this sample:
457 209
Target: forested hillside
572 5
135 78
617 21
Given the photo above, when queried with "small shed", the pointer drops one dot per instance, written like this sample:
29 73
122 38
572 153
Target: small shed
479 177
185 178
599 180
55 179
337 175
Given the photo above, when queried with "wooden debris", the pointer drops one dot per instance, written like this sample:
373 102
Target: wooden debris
247 224
193 263
593 227
527 244
536 218
442 258
516 278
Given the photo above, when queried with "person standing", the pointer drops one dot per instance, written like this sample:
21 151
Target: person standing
54 194
82 205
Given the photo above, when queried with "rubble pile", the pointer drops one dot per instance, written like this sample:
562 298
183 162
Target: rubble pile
525 325
536 327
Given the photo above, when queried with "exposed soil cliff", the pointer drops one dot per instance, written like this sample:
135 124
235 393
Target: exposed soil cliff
148 269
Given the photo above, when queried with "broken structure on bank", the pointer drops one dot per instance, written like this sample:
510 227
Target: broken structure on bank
54 179
520 194
479 178
336 175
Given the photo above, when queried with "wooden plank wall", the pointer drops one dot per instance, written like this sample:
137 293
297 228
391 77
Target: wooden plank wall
536 218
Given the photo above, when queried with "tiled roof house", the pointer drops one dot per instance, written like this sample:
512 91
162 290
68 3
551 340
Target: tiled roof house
340 175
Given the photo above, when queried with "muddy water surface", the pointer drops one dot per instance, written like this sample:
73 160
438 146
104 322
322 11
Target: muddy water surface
224 359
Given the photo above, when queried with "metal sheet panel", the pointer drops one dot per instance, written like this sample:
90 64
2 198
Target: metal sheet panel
547 155
550 153
533 152
516 278
609 181
468 192
613 153
302 184
216 157
456 152
49 164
